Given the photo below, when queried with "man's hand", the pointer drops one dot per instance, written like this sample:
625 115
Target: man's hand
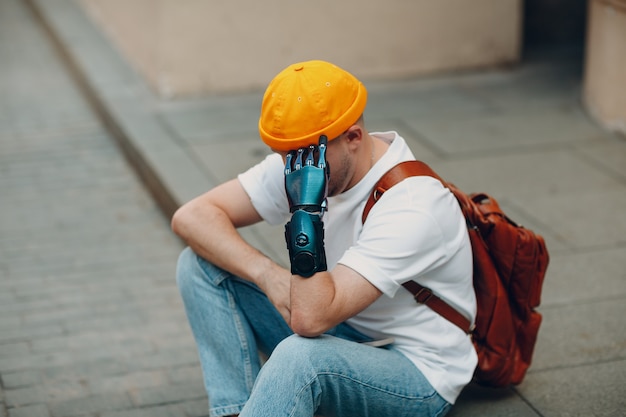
306 184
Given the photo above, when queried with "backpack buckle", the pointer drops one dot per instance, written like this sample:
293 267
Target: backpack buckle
378 192
423 295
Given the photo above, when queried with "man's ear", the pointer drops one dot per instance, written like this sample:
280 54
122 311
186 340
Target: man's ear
354 133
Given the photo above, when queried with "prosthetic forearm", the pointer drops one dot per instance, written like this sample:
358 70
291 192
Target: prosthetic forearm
306 185
305 240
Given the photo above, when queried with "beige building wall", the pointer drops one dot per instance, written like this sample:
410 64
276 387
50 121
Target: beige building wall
191 47
605 63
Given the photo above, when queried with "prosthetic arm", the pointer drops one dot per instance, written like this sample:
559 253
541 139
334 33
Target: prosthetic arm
307 186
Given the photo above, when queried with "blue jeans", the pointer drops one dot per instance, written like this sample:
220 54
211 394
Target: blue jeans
331 375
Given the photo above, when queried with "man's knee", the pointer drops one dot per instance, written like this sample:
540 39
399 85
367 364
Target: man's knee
193 270
187 262
298 351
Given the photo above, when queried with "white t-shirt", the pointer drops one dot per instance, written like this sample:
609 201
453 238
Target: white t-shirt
416 231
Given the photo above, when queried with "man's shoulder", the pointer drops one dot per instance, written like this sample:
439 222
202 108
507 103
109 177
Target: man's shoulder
416 200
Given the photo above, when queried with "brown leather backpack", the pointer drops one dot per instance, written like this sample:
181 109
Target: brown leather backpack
510 263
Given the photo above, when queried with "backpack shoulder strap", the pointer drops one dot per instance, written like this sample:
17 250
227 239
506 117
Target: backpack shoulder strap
421 294
395 175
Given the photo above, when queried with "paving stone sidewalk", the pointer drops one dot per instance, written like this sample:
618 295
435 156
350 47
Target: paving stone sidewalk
90 319
520 134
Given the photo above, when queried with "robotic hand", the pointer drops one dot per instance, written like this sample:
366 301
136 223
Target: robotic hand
307 186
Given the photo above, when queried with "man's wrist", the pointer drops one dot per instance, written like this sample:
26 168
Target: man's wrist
266 270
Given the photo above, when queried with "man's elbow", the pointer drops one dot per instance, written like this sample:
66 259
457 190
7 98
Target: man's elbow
180 220
307 325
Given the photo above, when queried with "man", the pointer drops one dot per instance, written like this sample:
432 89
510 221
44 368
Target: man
342 337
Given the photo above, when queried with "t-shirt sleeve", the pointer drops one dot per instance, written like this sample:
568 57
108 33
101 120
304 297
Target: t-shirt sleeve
404 237
265 185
